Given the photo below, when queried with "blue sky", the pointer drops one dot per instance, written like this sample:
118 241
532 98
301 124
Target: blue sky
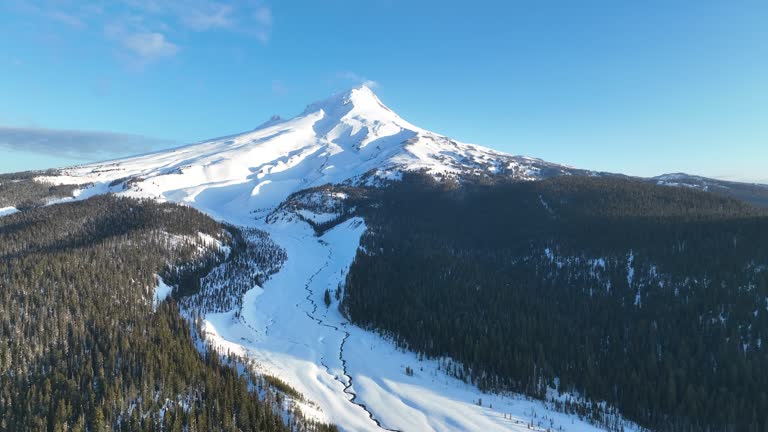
642 88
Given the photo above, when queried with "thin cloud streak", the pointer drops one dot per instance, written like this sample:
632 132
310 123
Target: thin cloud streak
77 144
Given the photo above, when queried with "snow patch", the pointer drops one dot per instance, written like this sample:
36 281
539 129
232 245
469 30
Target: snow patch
162 292
5 211
213 243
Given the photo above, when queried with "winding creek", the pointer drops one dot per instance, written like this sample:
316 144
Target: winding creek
349 382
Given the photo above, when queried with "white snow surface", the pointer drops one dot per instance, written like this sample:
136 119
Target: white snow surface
162 291
5 211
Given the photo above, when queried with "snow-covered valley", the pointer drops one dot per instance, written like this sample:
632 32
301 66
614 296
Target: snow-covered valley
350 376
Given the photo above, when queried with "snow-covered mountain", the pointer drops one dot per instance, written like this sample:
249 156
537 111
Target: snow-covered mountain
283 324
350 377
267 181
351 137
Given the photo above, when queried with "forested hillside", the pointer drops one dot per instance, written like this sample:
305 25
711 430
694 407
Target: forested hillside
754 193
83 345
21 191
654 299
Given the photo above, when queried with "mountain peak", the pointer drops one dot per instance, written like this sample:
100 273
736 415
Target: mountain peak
360 98
355 110
363 93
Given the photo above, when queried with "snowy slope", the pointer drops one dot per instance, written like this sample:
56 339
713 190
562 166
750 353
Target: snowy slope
349 376
341 138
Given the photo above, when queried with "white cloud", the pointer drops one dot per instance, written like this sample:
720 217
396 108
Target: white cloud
251 16
149 46
263 17
146 27
210 16
66 18
357 79
141 47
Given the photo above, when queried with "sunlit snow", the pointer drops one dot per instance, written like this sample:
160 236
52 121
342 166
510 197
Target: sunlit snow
5 211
